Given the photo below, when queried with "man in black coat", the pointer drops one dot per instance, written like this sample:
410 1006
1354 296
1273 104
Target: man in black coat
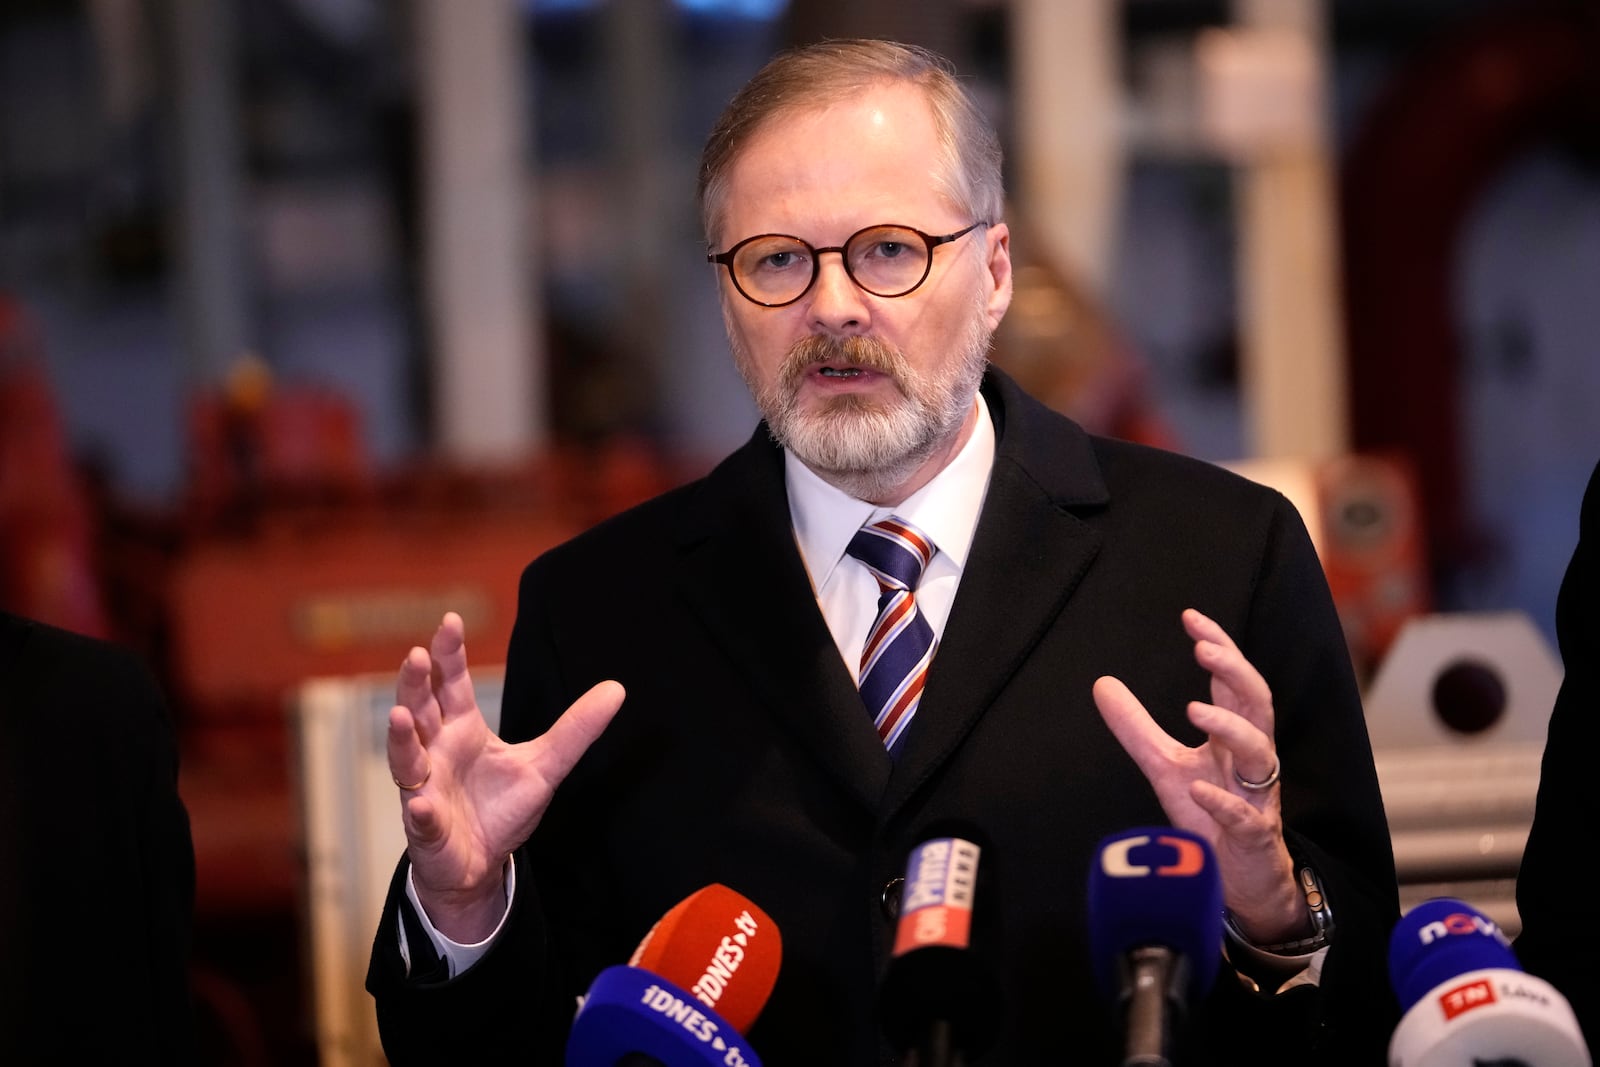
736 618
1552 889
89 795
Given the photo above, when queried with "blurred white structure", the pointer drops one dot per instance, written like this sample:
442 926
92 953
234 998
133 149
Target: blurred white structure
351 815
1458 714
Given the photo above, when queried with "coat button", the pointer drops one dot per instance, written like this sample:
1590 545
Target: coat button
889 899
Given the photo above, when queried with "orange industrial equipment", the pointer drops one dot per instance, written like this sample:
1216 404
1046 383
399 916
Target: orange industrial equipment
251 618
47 567
295 560
257 444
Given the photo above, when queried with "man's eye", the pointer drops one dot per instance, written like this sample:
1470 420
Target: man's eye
889 249
778 260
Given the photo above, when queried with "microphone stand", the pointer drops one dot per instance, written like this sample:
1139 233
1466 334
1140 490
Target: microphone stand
1155 977
936 1049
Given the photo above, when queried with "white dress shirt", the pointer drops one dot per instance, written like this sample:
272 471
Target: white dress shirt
946 509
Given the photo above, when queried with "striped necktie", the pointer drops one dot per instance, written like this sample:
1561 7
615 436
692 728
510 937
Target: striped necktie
894 663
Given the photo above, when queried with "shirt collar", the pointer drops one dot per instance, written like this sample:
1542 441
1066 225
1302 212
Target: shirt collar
825 518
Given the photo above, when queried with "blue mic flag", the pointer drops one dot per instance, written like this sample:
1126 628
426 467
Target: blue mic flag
1155 886
1440 939
631 1012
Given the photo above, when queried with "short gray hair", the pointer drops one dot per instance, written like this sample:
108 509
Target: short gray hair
820 74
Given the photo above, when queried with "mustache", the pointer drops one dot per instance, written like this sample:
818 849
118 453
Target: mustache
868 353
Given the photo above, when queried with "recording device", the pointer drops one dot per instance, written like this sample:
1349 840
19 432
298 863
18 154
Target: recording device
940 1002
1155 933
1466 999
684 999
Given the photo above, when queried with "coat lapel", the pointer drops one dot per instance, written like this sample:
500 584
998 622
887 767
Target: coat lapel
744 580
1028 555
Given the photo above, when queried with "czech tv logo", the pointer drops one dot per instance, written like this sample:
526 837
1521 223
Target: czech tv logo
1153 855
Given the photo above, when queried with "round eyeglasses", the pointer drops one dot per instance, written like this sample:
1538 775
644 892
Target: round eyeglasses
774 269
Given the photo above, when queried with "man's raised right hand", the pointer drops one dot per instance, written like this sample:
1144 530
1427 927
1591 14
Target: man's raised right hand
467 797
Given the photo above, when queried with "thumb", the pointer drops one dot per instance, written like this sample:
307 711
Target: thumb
570 736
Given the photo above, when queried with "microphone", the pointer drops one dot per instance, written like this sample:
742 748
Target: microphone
685 997
721 948
1466 1000
1155 932
940 1002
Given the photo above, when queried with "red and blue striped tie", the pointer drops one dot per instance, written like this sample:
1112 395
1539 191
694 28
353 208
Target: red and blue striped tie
894 663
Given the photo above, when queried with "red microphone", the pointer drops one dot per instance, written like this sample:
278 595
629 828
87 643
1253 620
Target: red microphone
720 947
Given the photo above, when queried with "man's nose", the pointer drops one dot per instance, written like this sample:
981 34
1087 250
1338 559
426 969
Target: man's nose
838 305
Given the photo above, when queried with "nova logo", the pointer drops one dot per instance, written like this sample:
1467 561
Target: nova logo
1459 924
1185 859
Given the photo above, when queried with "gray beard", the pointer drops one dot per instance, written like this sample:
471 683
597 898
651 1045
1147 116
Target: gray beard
869 448
863 447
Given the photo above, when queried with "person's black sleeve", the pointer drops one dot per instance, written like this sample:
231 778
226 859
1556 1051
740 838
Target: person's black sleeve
1332 810
98 860
1556 941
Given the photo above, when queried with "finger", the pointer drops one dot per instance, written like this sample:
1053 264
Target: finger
421 821
1245 828
409 762
1228 665
570 736
1246 691
1132 725
1235 732
451 682
1201 627
408 758
414 692
1249 748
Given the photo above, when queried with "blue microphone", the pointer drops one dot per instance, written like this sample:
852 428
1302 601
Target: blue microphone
1440 939
631 1016
1467 1000
1155 932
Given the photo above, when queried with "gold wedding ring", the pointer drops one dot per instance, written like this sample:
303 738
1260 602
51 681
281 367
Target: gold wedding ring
414 786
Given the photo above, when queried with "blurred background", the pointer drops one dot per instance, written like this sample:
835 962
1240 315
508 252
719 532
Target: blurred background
320 317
